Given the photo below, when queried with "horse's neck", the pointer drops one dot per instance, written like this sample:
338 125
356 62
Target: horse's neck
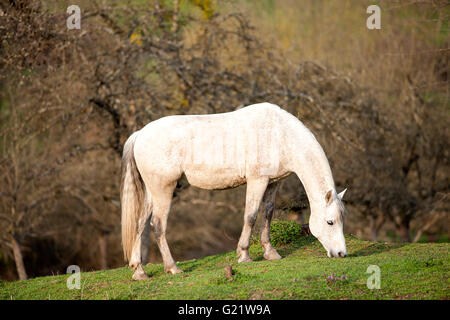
310 164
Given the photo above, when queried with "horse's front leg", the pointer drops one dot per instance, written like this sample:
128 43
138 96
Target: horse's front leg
255 191
267 208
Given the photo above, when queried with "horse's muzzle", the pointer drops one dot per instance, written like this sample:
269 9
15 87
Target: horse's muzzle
340 254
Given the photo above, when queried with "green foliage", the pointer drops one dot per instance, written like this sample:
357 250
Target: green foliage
284 232
206 6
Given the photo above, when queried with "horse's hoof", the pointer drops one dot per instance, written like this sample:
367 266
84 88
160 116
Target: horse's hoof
243 255
272 255
140 276
244 259
173 270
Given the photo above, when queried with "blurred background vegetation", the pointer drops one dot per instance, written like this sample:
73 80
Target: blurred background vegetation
377 100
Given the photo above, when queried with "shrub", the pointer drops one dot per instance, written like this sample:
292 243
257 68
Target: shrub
284 232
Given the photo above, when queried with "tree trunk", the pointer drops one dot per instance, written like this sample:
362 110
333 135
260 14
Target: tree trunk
18 259
373 229
404 231
103 251
427 225
176 8
376 222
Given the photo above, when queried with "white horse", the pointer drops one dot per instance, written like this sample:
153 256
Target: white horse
257 145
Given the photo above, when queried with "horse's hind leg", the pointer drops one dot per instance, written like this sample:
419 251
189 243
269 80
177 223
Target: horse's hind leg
136 254
254 195
267 208
162 198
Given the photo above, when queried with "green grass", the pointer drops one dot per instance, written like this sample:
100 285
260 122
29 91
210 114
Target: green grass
408 271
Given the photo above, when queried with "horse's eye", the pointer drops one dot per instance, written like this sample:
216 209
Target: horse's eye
330 222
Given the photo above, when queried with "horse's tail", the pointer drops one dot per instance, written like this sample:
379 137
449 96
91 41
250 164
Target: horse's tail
132 196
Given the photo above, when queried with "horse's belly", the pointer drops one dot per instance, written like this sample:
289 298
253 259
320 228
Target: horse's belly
214 179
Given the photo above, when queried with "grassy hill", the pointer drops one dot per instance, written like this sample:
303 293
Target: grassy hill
408 271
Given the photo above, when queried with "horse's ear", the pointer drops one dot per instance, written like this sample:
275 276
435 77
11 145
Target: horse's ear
341 195
329 197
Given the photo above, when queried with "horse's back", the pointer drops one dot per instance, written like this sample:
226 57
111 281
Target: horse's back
176 127
215 151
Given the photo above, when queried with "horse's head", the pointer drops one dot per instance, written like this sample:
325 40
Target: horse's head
327 224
